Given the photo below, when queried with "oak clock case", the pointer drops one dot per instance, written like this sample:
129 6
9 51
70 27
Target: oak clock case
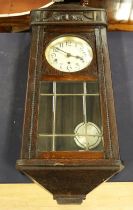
70 141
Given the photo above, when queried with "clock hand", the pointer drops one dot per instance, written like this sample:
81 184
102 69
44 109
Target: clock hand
69 54
79 57
76 56
62 51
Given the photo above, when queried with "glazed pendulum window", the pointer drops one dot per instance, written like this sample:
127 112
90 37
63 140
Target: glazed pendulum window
69 117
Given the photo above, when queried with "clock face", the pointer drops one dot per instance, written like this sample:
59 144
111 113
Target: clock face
69 54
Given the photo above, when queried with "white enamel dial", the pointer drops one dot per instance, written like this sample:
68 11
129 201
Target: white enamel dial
69 53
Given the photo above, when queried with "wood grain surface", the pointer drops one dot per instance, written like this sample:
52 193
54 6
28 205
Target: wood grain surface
16 7
14 14
108 196
120 13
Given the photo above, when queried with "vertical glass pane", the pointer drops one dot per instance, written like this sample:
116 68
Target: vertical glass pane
70 88
93 110
46 88
45 143
45 120
66 143
69 113
92 87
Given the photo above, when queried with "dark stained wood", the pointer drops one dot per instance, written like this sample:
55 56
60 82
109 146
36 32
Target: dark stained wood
14 14
110 99
69 185
13 24
70 78
71 155
69 181
82 163
69 175
6 28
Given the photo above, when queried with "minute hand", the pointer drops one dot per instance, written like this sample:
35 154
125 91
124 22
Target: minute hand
69 54
62 50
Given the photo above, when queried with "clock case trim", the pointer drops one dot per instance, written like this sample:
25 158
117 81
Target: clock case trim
75 15
64 170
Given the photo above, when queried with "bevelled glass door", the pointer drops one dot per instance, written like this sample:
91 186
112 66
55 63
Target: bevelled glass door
69 117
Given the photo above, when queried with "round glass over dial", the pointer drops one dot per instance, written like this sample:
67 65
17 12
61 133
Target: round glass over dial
69 54
87 135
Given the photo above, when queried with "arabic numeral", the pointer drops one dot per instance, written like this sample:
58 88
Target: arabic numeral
61 44
68 43
53 55
55 50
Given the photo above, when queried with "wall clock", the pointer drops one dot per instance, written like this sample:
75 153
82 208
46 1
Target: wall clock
70 142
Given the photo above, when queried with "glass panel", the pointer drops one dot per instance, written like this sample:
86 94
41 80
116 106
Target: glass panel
70 88
93 110
70 118
45 143
45 120
66 143
69 113
46 88
92 87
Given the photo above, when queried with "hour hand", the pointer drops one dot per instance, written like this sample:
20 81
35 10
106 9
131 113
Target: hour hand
76 56
79 57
